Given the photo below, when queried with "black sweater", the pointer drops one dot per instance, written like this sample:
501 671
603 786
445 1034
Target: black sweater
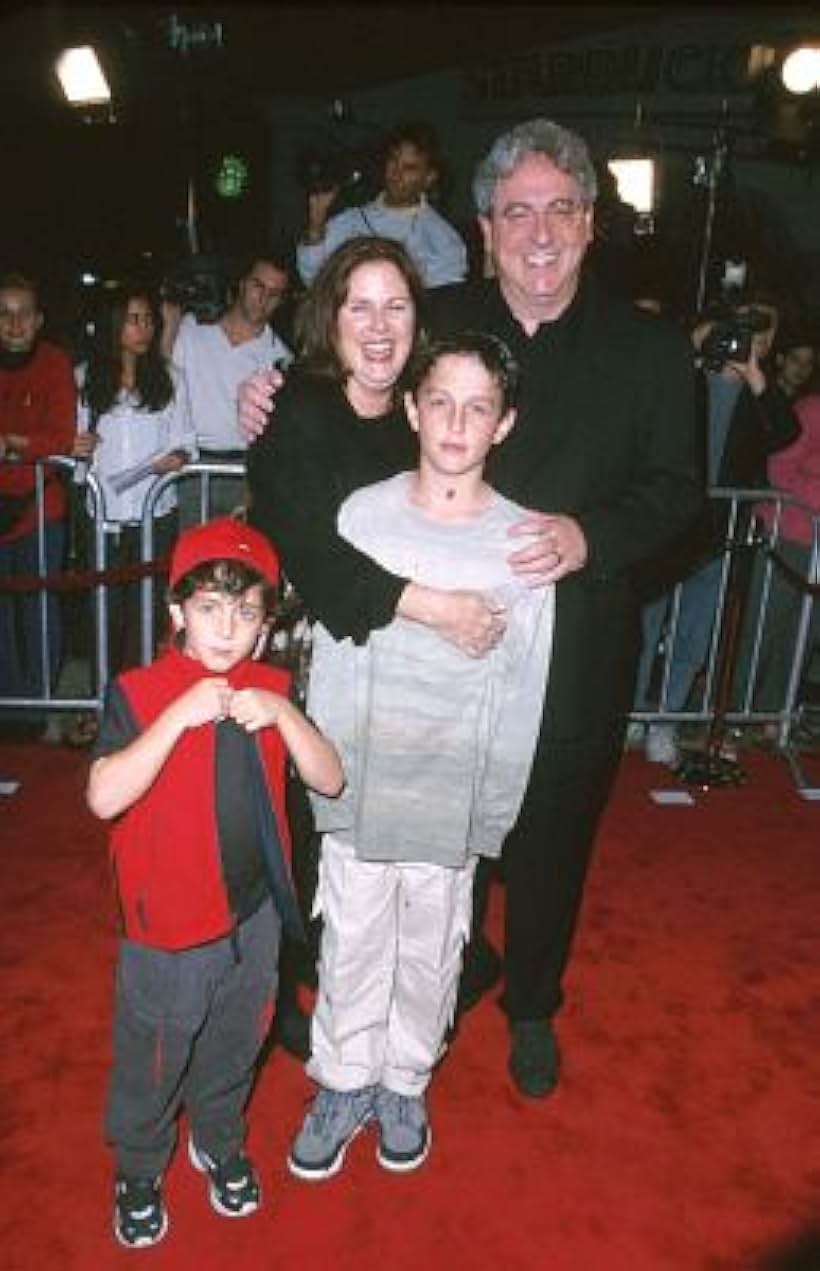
315 453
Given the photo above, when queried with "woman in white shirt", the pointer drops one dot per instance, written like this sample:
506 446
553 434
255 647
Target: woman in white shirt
134 424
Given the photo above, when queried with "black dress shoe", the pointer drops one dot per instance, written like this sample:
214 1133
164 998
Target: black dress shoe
534 1059
480 972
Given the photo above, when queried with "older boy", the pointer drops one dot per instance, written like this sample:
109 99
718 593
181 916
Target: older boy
436 747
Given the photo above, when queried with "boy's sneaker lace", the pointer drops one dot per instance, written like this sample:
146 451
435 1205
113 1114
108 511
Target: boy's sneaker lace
335 1118
140 1217
405 1131
233 1189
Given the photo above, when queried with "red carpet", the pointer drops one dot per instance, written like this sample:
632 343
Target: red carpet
684 1137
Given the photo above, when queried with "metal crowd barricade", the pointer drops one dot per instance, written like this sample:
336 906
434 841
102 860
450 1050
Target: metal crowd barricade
722 676
47 700
88 496
204 473
744 534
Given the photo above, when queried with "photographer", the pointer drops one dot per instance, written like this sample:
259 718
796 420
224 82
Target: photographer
401 212
745 417
748 416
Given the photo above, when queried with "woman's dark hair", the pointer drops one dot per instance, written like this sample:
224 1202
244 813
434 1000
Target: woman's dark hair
154 387
492 353
316 320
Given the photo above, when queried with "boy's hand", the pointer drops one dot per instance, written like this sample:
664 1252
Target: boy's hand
255 708
206 701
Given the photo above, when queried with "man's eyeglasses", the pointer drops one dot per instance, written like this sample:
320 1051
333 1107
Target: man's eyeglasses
558 212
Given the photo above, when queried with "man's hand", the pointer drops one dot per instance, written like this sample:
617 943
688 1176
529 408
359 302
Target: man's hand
750 371
319 204
556 546
255 402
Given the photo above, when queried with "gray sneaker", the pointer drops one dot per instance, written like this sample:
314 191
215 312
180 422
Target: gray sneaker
405 1131
334 1119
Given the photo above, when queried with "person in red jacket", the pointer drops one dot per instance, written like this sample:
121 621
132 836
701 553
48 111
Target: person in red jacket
37 418
190 768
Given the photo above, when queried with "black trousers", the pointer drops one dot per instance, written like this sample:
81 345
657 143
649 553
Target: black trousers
545 861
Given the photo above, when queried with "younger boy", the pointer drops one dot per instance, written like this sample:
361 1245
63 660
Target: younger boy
190 768
436 748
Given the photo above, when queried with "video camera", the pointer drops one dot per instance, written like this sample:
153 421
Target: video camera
730 339
344 156
199 286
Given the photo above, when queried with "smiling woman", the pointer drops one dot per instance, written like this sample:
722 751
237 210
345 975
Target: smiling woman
339 425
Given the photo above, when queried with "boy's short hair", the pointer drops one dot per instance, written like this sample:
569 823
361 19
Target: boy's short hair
494 355
224 555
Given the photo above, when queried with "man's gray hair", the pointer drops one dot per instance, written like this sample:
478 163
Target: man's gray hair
566 149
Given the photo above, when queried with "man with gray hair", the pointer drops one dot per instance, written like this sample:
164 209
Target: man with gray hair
604 454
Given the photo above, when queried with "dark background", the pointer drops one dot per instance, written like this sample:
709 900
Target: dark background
79 192
83 190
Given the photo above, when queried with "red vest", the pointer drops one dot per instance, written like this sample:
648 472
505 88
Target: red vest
165 847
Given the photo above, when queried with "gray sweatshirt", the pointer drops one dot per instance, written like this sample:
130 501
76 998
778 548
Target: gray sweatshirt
436 746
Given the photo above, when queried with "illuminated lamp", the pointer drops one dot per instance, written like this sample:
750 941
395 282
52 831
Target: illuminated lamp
800 71
636 183
82 78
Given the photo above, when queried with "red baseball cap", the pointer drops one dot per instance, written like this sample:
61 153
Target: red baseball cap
224 538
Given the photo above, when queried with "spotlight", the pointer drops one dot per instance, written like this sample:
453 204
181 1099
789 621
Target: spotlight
636 182
800 71
82 78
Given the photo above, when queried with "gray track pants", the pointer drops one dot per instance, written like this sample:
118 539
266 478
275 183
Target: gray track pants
188 1027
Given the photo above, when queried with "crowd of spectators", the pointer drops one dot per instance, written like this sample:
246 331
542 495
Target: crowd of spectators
155 388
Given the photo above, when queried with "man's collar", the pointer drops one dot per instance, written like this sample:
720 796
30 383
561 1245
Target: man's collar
16 361
409 210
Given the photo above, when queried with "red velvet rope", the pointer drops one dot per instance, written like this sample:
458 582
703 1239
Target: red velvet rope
80 580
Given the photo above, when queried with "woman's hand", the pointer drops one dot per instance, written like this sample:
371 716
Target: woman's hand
255 402
470 620
556 546
172 462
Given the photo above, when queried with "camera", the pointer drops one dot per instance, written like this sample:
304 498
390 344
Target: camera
198 286
319 172
730 339
345 157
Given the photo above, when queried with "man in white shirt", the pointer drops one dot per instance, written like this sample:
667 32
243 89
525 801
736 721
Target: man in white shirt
216 357
401 212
